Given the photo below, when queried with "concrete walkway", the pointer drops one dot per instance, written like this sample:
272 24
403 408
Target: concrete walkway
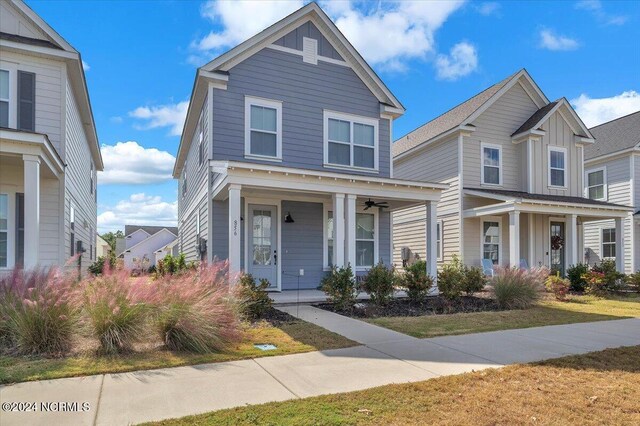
385 357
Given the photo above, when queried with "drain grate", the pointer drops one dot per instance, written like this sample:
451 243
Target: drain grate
266 347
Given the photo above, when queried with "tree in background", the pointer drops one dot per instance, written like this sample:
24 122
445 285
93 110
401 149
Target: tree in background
111 237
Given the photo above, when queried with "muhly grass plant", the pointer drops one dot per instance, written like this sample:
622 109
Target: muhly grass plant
196 310
38 311
515 288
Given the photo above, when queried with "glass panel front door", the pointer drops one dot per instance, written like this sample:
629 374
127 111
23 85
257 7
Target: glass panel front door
557 244
263 254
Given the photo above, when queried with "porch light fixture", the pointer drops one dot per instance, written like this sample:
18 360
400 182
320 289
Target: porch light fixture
288 218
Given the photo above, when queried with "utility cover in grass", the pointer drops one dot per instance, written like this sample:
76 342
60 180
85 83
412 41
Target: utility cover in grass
266 347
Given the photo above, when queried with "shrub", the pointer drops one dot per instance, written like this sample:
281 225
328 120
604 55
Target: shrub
515 288
378 283
612 278
474 280
254 297
575 275
173 264
558 286
633 280
416 281
596 283
116 309
38 311
197 311
340 287
97 267
451 279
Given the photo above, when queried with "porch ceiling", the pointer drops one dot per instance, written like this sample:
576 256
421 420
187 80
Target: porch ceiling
14 144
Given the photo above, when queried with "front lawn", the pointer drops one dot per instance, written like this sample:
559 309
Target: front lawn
545 312
289 335
592 389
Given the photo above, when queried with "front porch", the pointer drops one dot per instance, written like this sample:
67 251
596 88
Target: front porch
517 229
290 226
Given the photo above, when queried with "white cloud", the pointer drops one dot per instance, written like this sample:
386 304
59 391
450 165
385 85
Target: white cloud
409 26
169 115
85 66
596 9
550 40
138 209
488 8
130 163
462 60
594 111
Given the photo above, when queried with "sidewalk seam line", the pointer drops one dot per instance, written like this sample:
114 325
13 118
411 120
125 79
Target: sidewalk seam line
276 379
470 354
95 416
405 361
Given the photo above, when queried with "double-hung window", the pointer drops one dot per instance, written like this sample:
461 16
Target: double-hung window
596 187
491 164
365 239
439 239
491 240
350 141
329 238
4 230
557 167
4 98
609 243
263 129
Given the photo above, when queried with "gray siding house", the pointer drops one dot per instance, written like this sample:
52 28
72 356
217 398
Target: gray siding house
612 173
513 161
284 165
49 152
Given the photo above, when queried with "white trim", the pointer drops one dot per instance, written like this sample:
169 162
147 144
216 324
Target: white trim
602 243
10 192
250 101
352 119
563 150
530 165
498 219
632 183
148 238
266 202
376 237
602 169
326 207
612 155
460 197
563 221
300 53
439 235
484 145
11 70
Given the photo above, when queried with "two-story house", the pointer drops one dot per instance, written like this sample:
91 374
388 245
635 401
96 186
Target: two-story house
49 152
514 164
285 164
612 173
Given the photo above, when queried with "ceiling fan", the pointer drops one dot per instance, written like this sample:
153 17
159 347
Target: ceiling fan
368 204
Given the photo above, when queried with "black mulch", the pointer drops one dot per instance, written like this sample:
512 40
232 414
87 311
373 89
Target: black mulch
434 305
276 317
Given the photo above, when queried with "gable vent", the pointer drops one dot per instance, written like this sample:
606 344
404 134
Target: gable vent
310 50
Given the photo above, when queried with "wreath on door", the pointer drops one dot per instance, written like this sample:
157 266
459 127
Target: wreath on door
557 242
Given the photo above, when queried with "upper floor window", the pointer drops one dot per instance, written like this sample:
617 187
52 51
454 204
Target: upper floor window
26 101
350 141
4 98
263 128
491 164
596 187
557 167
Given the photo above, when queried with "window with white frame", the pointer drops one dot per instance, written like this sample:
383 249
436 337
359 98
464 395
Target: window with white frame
91 178
609 243
596 186
557 167
491 164
4 230
200 143
439 239
491 240
329 238
4 98
365 239
263 128
350 141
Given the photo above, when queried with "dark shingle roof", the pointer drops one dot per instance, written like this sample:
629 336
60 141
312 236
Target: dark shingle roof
613 136
535 118
546 197
130 229
447 121
28 40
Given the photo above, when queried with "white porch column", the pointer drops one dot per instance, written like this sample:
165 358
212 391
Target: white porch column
514 239
31 210
571 243
431 239
350 231
619 244
580 229
338 230
234 230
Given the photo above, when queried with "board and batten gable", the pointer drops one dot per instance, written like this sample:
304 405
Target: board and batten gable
306 90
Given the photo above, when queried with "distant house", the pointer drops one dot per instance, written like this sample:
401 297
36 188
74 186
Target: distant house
102 247
140 244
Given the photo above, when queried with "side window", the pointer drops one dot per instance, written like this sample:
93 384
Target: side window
609 243
350 141
263 128
596 185
557 167
4 98
26 101
491 164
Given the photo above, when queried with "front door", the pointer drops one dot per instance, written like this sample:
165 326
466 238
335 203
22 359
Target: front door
556 253
263 254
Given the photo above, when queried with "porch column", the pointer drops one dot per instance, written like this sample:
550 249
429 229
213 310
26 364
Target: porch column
338 230
431 239
31 211
234 231
571 243
580 229
619 245
350 230
514 238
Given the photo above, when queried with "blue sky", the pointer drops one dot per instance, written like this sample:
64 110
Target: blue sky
141 58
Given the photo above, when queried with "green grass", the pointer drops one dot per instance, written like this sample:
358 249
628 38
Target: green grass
546 312
290 338
592 389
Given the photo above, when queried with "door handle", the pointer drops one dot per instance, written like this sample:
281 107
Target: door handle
275 257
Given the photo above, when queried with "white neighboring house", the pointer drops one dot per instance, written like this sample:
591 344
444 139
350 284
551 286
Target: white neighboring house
102 247
171 248
140 245
612 173
49 151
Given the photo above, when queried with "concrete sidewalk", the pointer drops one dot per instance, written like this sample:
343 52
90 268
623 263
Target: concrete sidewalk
385 357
